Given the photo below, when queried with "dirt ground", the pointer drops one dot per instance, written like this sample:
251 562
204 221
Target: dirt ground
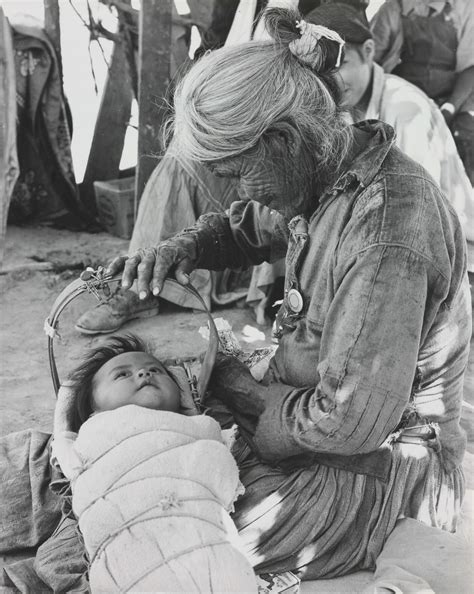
26 297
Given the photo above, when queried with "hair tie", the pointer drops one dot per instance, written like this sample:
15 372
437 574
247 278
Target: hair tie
304 47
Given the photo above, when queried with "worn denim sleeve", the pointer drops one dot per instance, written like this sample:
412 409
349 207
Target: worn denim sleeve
367 361
247 234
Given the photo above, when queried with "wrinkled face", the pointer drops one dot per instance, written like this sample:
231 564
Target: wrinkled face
134 378
271 181
355 72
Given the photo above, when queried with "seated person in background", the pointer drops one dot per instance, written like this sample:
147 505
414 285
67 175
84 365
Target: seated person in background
421 131
429 43
152 489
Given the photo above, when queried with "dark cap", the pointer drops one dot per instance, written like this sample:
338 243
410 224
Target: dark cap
351 24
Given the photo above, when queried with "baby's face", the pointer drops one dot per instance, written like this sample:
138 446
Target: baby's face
134 378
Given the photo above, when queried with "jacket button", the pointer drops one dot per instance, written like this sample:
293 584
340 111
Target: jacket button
294 300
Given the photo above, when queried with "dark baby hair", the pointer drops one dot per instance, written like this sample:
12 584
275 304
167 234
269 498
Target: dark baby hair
82 377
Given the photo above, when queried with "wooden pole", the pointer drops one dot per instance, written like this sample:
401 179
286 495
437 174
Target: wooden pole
9 169
126 23
110 128
53 28
153 77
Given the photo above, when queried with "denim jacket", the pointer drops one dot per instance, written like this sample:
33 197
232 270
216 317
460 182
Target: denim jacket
382 337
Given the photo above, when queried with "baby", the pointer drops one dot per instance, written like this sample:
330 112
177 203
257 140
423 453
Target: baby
152 486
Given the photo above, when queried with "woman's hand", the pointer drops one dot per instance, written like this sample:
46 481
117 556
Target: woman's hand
150 266
232 383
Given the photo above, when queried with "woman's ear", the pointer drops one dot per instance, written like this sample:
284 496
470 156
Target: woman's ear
283 138
368 50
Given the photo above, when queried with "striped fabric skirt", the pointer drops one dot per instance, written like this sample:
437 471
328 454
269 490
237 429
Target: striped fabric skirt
323 522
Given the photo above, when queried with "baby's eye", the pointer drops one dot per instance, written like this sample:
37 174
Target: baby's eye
121 374
155 370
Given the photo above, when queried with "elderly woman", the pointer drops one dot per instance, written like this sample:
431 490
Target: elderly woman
356 422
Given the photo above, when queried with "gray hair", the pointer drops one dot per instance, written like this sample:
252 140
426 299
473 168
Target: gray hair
233 96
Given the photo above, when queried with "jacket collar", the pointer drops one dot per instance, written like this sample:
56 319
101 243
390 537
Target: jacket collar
366 164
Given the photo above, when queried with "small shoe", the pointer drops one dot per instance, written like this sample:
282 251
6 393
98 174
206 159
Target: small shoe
122 307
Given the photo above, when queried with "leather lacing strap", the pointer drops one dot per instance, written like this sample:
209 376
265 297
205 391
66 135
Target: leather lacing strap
97 283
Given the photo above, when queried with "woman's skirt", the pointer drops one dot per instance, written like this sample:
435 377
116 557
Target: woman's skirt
322 522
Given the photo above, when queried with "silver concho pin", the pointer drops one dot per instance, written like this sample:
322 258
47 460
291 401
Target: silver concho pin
294 300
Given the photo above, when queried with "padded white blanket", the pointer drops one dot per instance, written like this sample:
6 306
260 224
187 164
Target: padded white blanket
153 502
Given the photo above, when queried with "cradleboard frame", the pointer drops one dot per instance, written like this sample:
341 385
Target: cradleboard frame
97 282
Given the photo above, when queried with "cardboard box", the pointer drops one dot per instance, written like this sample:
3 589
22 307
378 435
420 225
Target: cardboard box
115 201
278 583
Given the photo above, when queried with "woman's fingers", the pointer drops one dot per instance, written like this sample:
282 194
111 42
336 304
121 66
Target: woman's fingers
151 266
116 265
182 271
130 271
165 259
147 266
145 271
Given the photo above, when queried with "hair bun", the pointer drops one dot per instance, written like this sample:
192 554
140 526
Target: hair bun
315 46
281 24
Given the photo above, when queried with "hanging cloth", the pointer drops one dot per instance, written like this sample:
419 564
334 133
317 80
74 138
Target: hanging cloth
46 188
9 168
